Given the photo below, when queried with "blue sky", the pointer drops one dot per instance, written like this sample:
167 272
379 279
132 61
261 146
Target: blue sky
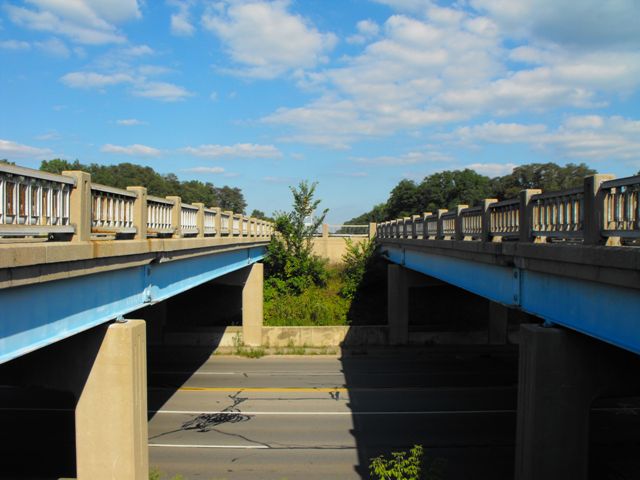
354 94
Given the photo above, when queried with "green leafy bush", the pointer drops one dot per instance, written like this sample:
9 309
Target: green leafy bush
401 465
356 260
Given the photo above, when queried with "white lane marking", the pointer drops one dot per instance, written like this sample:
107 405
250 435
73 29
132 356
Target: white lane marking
435 412
247 447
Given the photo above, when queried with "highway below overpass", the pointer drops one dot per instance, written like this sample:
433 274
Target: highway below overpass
325 417
318 417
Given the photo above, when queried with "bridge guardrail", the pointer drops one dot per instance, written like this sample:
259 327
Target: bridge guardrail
35 204
603 211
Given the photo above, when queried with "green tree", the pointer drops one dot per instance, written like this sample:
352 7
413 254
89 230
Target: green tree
291 264
377 214
6 162
452 187
546 176
404 199
231 198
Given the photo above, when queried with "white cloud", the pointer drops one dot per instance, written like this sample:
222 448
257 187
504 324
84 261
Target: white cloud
367 29
265 39
54 46
134 150
94 80
181 24
166 92
91 22
10 149
16 45
136 50
410 158
492 169
413 6
214 170
129 122
582 23
53 135
239 150
276 179
587 137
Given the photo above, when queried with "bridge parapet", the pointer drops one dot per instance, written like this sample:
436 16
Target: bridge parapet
603 211
39 205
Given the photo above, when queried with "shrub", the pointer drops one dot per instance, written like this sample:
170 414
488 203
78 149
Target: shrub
356 261
401 466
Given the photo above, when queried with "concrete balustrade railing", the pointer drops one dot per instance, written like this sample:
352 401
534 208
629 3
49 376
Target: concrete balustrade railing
70 207
34 202
603 211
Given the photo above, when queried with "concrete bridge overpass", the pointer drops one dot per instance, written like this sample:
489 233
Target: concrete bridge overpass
570 258
74 256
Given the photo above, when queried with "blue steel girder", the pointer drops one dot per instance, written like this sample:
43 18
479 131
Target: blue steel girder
603 311
37 315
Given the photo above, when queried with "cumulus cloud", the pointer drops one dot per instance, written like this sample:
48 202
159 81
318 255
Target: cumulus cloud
133 150
265 39
91 22
492 169
10 149
130 122
410 158
181 24
214 170
15 45
166 92
588 137
239 150
94 80
55 47
367 29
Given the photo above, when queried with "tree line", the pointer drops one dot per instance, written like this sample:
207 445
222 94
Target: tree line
129 174
466 187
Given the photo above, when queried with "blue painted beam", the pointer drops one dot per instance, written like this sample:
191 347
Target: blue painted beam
608 313
37 315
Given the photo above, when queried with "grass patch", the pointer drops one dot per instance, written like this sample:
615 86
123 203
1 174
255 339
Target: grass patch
239 348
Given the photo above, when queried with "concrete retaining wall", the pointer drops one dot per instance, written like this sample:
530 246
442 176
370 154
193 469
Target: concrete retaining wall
333 248
283 337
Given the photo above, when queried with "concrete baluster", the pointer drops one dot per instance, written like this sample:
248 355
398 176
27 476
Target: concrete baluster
325 230
373 228
176 216
594 212
80 205
140 212
425 231
218 221
414 226
526 214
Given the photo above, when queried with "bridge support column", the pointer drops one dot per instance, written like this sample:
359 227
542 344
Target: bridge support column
498 323
111 413
252 306
399 281
561 373
398 305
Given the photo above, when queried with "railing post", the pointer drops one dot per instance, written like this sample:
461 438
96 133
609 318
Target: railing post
140 212
414 230
459 235
525 223
593 220
325 230
176 216
425 230
218 221
199 219
80 205
373 230
439 212
486 219
405 224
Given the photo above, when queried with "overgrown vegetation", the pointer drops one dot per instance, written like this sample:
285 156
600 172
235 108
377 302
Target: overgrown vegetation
155 474
409 465
455 187
300 288
129 174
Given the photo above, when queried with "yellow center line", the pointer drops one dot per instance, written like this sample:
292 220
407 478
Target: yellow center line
263 389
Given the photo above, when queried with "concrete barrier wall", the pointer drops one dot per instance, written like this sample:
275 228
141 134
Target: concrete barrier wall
333 248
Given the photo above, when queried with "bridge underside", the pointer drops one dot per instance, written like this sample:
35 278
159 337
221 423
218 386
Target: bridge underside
602 310
40 314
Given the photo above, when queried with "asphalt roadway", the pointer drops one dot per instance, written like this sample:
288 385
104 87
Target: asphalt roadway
315 417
